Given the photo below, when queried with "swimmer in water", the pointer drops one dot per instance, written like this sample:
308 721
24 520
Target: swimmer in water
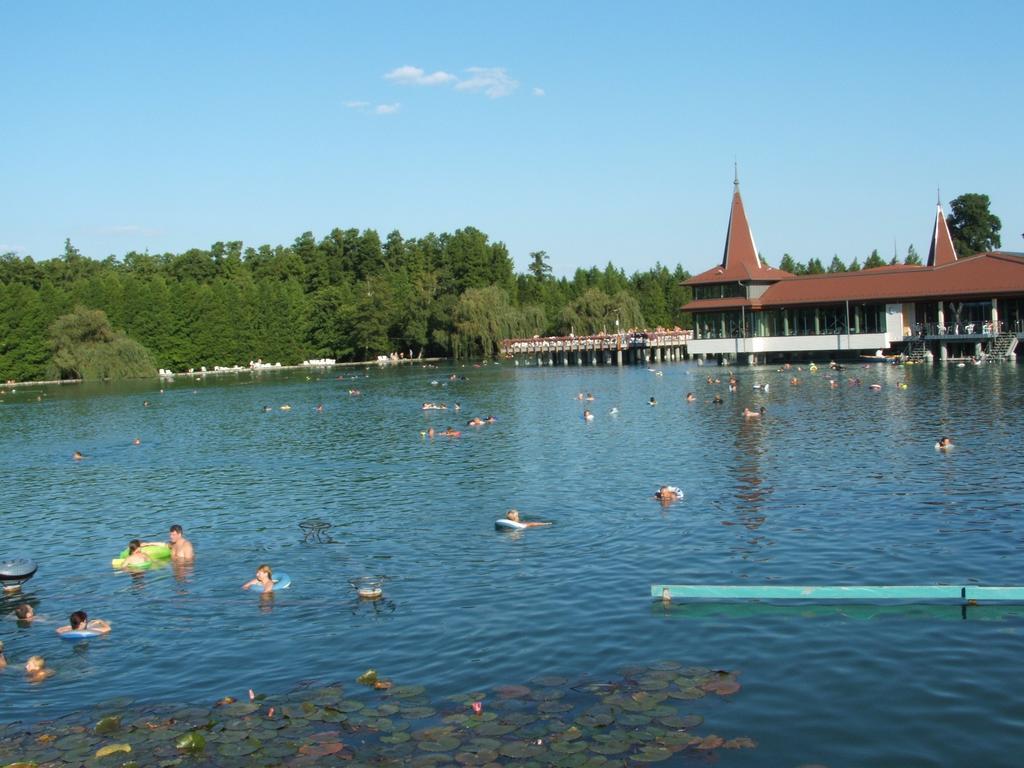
749 414
513 515
136 441
3 659
652 401
476 421
587 415
944 444
264 579
690 397
717 400
79 622
25 613
668 493
136 556
36 669
77 455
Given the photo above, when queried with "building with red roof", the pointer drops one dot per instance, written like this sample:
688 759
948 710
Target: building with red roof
746 310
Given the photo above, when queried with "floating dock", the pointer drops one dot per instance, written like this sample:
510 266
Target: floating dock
862 594
636 347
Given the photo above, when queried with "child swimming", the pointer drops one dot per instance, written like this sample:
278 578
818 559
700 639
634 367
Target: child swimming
79 622
36 669
136 556
264 579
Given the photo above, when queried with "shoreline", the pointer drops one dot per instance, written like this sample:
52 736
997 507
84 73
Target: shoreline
352 364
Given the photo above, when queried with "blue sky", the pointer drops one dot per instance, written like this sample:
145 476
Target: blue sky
595 131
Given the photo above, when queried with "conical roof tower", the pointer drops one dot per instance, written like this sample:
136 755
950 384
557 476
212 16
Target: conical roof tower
942 251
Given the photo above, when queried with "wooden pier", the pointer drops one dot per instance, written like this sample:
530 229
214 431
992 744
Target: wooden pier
637 348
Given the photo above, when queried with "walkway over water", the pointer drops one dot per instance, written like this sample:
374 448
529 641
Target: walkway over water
639 347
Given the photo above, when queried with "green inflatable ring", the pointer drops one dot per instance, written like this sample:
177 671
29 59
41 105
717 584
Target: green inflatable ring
156 552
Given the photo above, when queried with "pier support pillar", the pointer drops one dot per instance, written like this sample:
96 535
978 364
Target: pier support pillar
995 318
977 349
751 358
565 357
943 351
618 357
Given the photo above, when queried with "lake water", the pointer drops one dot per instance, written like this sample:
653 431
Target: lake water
832 486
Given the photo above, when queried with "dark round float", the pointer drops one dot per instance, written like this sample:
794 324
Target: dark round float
16 571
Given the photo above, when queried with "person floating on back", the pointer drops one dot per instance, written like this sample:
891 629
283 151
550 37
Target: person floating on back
513 515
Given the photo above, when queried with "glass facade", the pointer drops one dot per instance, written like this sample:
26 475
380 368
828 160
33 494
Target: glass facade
719 291
826 320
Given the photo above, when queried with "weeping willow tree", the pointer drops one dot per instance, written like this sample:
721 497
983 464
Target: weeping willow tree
597 312
485 316
85 346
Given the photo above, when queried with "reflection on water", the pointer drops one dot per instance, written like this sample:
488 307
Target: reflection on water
831 485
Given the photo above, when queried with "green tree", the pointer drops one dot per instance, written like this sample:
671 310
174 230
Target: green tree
837 264
974 228
791 265
85 346
874 260
854 265
539 266
815 267
912 257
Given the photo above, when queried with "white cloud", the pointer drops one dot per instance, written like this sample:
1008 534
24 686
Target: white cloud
387 109
357 104
538 91
409 75
494 82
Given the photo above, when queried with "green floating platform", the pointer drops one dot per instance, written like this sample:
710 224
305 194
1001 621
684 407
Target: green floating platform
863 594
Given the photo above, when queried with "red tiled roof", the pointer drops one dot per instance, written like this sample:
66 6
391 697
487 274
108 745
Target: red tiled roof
984 275
942 251
741 261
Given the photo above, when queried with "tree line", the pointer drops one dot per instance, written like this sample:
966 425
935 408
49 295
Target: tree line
347 296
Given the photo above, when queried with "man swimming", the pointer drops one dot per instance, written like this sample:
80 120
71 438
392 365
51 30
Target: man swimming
181 548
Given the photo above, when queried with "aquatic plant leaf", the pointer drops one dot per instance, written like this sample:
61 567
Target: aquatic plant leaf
192 741
494 729
687 694
652 755
521 749
653 684
443 744
239 749
613 747
321 750
709 742
407 691
633 719
482 757
348 705
667 665
694 671
369 677
568 747
512 691
418 713
553 707
551 681
742 742
113 749
108 724
396 738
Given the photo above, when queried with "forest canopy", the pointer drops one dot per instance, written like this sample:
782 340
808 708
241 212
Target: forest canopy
347 296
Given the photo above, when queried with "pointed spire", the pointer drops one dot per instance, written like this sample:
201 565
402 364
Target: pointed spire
740 251
942 251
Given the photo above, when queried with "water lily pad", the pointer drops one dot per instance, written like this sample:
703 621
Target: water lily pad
546 694
521 749
407 691
418 713
348 705
512 691
550 681
613 747
321 749
553 707
653 684
687 694
568 747
108 724
666 665
113 749
494 729
395 738
386 710
239 708
443 744
709 742
191 742
652 755
519 718
595 719
633 719
239 749
694 671
742 742
483 757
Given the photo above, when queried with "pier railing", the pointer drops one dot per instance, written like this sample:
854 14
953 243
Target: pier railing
606 348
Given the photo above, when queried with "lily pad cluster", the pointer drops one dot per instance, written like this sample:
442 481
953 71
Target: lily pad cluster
645 715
